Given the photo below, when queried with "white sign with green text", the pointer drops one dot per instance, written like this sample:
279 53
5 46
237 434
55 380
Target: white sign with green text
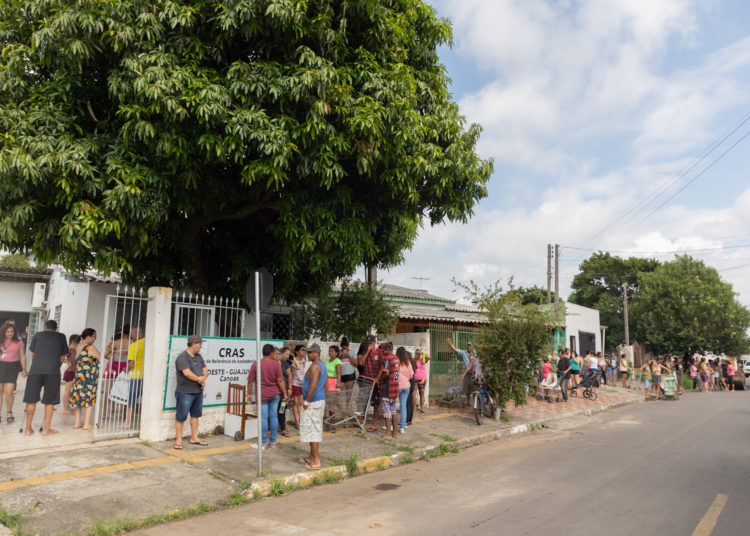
227 360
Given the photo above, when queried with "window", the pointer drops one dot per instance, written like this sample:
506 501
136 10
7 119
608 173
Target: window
58 314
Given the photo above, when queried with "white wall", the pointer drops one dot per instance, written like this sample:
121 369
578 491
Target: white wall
74 299
582 319
16 296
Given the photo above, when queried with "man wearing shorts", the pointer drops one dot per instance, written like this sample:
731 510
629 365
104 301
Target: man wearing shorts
389 388
313 406
191 380
49 349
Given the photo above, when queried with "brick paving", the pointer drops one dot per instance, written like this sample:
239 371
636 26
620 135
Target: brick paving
535 410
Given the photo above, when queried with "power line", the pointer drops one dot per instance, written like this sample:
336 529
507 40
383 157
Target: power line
677 250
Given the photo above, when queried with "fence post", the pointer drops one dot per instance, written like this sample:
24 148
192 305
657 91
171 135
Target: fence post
156 352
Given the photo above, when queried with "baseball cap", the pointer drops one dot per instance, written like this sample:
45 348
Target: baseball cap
388 346
469 343
194 339
313 348
370 338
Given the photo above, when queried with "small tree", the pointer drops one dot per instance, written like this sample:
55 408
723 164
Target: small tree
353 311
513 343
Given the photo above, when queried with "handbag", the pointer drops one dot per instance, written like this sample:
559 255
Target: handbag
120 391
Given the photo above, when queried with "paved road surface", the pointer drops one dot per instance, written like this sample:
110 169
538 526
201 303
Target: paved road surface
661 468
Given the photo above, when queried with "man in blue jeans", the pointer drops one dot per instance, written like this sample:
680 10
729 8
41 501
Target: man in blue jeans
191 379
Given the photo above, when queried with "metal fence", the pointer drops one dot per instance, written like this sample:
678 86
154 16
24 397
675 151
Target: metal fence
446 366
207 316
117 409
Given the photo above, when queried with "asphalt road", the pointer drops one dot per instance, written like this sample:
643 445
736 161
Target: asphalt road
662 468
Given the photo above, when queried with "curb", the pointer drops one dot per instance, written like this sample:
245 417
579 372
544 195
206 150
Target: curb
265 488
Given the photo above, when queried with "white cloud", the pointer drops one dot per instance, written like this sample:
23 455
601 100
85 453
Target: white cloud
587 114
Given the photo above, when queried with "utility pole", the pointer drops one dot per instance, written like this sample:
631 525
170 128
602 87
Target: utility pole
420 279
549 273
557 273
625 312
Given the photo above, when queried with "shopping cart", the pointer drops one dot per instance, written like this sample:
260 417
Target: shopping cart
349 406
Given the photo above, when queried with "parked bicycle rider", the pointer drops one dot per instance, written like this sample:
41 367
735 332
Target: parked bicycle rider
468 357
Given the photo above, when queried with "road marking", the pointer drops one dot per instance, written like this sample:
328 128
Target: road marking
707 524
173 456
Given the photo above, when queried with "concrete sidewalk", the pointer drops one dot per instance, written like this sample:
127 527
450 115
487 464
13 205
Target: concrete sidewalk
68 491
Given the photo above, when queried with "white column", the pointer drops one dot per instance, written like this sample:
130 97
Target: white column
156 352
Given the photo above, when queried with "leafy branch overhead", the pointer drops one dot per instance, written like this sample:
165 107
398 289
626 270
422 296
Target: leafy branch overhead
189 142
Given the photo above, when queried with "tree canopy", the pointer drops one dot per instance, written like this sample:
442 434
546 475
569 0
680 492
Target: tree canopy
684 307
15 260
599 285
189 142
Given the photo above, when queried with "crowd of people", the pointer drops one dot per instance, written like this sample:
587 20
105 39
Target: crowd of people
74 362
300 378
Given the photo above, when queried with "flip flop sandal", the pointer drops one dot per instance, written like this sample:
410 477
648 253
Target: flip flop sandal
200 443
178 446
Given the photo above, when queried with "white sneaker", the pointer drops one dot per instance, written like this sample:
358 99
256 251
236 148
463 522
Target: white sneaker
401 430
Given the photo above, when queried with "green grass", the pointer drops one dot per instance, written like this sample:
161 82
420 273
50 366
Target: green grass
405 448
146 443
441 450
387 443
257 495
245 484
408 458
445 437
235 499
331 477
120 525
279 488
350 462
266 472
12 521
504 417
317 480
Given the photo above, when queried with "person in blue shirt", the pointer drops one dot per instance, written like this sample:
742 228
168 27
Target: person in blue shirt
468 359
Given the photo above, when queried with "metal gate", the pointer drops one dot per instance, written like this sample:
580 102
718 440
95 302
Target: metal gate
446 366
118 402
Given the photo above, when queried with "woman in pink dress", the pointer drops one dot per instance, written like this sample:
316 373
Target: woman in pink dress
12 361
420 375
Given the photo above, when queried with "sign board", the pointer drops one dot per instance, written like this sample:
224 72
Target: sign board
266 289
228 360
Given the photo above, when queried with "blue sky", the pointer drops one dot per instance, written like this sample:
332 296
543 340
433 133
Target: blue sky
591 110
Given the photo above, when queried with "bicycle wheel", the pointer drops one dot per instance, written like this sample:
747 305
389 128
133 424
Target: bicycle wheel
489 407
478 408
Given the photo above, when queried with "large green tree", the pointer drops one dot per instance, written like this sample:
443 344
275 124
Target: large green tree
599 285
187 142
684 307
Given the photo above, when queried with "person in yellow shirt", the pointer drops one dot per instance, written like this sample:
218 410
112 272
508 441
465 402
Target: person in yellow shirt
135 368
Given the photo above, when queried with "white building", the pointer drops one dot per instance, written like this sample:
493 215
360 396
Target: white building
583 332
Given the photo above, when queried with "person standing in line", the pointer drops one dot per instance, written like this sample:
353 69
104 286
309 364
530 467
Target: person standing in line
48 351
602 368
575 367
284 357
70 373
467 358
83 394
647 376
730 374
405 374
299 368
593 365
272 385
563 372
677 362
420 374
373 365
656 369
365 348
624 371
694 374
333 366
389 387
12 362
348 374
191 380
411 401
135 368
313 405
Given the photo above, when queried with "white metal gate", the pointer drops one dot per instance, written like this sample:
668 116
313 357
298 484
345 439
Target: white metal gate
190 319
118 401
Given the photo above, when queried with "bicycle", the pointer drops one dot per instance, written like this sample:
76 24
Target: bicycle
483 402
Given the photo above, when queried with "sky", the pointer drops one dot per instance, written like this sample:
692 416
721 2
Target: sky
619 126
